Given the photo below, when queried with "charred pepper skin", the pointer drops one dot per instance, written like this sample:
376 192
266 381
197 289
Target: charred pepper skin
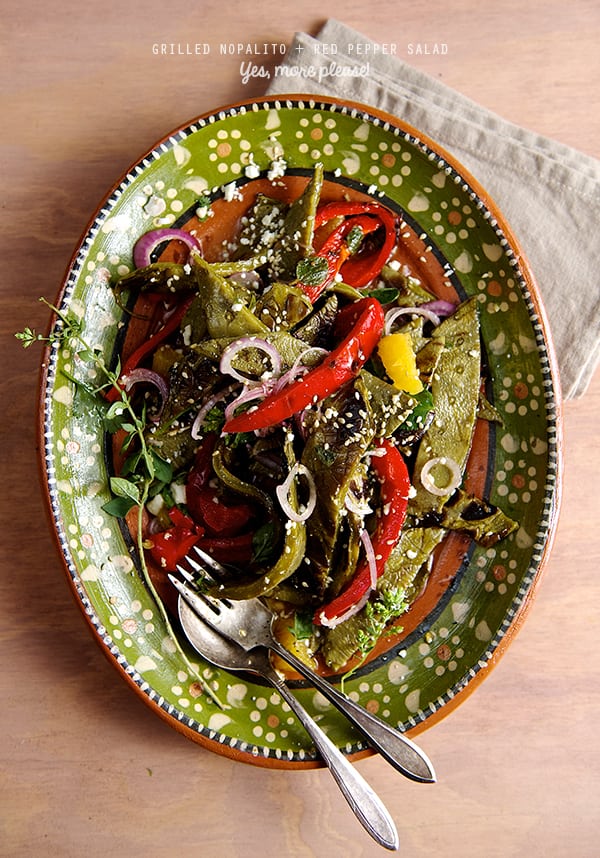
341 365
391 470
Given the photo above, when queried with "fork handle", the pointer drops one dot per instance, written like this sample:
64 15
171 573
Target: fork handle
365 803
396 748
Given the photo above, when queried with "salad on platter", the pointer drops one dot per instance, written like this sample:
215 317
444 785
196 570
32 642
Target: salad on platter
292 395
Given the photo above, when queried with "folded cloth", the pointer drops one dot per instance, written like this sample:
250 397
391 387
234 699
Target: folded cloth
548 193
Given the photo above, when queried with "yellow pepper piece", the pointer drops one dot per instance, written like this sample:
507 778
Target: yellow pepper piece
398 356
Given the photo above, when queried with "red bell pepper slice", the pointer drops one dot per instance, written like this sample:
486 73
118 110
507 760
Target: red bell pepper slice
335 251
216 516
169 547
203 500
234 550
341 365
224 543
392 472
362 268
149 345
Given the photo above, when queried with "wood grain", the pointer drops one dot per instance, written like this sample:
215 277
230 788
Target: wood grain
85 768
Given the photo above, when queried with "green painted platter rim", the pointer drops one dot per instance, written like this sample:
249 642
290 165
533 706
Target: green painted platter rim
454 648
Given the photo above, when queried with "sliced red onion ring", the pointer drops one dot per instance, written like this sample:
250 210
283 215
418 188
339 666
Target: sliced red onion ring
370 555
232 350
248 394
429 483
352 610
147 376
290 376
154 525
311 349
358 507
440 307
392 315
206 407
147 243
283 492
297 368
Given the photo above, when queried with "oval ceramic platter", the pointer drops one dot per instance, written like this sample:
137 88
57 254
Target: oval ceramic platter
476 597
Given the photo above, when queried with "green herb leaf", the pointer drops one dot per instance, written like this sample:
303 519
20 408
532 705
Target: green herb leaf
90 355
123 488
163 471
28 337
167 496
130 465
312 270
119 507
237 439
418 416
384 296
388 605
115 416
203 209
354 238
303 627
263 543
214 420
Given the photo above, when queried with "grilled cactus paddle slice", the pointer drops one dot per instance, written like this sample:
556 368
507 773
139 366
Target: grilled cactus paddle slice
333 452
455 390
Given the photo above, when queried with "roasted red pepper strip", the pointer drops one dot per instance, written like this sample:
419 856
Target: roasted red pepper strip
392 472
335 251
341 365
169 547
236 550
203 501
148 346
363 268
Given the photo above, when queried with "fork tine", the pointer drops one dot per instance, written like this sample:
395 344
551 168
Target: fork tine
185 573
198 568
199 604
208 561
193 563
216 613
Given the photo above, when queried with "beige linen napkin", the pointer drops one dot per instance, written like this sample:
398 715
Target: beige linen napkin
548 193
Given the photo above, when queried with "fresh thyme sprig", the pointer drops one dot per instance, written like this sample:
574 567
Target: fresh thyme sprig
71 329
121 414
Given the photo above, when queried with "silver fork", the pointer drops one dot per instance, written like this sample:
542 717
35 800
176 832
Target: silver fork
248 623
222 652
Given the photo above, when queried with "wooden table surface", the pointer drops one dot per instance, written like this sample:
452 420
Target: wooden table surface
85 768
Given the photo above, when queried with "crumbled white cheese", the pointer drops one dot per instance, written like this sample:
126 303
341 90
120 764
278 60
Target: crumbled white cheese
155 504
277 169
231 192
252 171
179 493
